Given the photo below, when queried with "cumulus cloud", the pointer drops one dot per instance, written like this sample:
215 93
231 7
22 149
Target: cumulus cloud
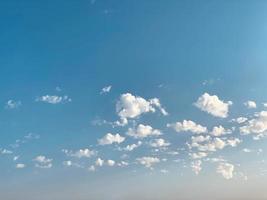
213 105
219 131
148 161
99 162
130 107
226 170
157 143
250 104
12 104
188 126
43 162
106 89
196 166
53 99
142 131
111 163
110 139
86 153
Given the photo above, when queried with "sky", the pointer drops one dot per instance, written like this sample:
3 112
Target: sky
131 100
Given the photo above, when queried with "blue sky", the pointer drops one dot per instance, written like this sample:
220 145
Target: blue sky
133 99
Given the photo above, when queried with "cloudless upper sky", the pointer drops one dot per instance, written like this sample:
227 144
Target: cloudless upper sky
104 99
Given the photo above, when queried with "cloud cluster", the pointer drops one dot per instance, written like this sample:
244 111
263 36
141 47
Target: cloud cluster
43 162
81 153
148 161
226 170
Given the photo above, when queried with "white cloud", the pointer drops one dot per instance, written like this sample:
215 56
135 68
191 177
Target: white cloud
240 120
196 166
106 89
159 143
131 147
250 104
99 162
123 164
148 161
11 104
130 107
143 131
111 163
43 162
213 105
20 165
67 163
247 150
188 126
53 99
87 153
226 170
91 168
199 155
110 139
258 125
219 131
5 151
212 144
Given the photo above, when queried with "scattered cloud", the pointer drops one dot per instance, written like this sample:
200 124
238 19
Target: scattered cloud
81 153
20 165
43 162
219 131
157 143
196 166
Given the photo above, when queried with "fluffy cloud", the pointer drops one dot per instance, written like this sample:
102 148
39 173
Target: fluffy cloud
106 89
110 139
196 166
226 170
188 126
148 161
258 125
143 131
219 131
250 104
130 107
53 99
11 104
159 143
43 162
213 105
87 153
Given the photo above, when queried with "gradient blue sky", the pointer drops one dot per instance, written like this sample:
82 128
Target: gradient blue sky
57 56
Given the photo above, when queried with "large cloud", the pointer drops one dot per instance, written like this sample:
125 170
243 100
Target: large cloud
188 125
130 107
213 105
